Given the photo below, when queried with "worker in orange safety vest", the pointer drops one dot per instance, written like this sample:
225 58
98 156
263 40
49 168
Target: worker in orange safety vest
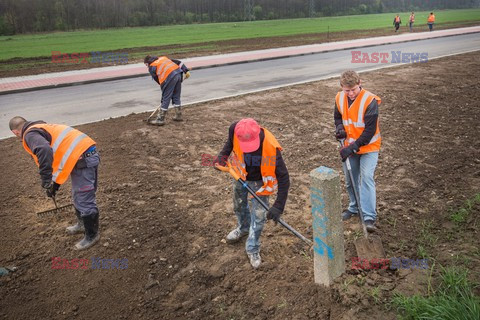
61 151
257 159
431 21
397 22
356 122
169 74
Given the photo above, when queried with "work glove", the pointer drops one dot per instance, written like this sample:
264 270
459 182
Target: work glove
274 214
51 188
346 152
340 132
187 75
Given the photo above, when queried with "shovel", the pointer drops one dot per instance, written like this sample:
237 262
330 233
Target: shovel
236 176
371 246
56 210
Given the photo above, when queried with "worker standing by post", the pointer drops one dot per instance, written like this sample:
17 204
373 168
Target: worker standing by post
61 151
169 74
258 160
356 122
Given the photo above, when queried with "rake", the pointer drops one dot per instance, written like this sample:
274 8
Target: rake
54 211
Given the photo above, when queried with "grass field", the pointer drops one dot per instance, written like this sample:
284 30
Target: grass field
41 45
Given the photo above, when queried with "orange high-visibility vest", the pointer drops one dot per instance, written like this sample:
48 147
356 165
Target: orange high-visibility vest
268 164
353 119
397 19
431 18
412 18
164 66
67 144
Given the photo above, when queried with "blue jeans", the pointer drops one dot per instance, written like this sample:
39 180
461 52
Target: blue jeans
251 216
363 170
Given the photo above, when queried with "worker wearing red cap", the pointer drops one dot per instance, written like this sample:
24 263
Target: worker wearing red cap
256 156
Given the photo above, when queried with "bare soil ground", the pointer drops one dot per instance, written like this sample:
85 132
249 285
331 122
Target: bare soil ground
24 67
167 214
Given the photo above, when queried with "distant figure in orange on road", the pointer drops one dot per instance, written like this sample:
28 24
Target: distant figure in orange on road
397 22
431 21
411 21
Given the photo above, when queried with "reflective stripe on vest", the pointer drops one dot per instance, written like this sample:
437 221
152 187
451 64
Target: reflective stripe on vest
67 155
353 119
164 67
267 169
68 144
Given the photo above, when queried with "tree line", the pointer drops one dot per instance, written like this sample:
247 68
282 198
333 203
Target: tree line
27 16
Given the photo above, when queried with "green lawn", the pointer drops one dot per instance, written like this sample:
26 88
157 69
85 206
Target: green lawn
41 45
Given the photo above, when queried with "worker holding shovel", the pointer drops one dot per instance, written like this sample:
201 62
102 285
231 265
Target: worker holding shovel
61 151
356 122
258 162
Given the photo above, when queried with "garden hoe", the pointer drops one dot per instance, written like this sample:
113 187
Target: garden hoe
55 210
371 246
236 176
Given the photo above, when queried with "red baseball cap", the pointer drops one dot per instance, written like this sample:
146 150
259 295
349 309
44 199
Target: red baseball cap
248 134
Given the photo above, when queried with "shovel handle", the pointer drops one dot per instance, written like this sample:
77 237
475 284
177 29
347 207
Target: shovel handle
230 170
151 115
235 175
355 191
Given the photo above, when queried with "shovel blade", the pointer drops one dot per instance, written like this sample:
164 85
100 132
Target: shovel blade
370 248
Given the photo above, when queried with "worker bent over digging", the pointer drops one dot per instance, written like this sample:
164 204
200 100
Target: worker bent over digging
251 146
169 74
356 121
61 151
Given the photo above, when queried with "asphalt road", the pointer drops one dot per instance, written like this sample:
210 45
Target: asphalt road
92 102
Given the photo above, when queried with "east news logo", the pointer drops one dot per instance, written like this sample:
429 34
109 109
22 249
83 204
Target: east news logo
96 263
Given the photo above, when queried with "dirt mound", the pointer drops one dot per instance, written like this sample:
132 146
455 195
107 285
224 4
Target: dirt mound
167 214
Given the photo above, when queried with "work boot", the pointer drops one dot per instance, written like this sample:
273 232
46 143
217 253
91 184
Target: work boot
178 114
370 225
91 232
160 121
235 235
346 215
255 259
78 227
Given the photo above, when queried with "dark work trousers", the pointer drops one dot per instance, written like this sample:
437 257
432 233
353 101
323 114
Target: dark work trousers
397 26
84 184
172 91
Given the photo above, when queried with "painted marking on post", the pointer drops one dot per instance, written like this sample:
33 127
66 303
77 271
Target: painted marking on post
319 223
